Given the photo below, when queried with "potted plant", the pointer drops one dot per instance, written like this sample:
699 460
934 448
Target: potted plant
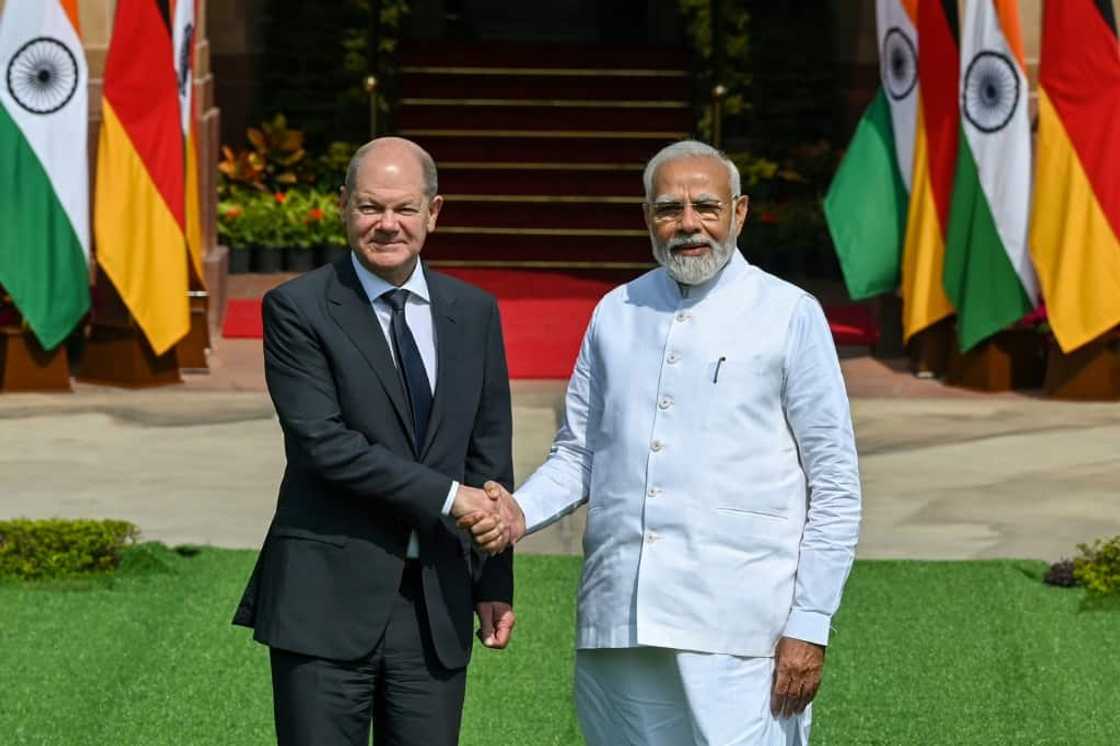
269 232
325 229
299 255
231 230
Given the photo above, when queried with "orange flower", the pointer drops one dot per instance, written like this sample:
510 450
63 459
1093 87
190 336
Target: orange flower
315 213
233 211
280 197
769 217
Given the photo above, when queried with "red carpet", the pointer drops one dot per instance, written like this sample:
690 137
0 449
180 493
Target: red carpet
243 319
544 315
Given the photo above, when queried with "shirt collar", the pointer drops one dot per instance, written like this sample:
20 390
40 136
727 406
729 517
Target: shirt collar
375 287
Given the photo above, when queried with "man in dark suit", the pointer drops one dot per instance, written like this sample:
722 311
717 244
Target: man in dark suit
391 388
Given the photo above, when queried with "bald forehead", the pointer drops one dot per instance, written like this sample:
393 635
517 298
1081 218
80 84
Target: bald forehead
692 168
396 157
392 156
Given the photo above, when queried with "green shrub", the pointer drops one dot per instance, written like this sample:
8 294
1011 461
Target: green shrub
35 550
1098 567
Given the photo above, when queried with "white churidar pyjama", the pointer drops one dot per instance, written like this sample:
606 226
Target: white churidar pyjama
646 696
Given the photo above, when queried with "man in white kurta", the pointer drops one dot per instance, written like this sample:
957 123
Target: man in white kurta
708 430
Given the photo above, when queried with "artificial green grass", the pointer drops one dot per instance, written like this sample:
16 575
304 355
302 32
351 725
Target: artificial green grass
924 653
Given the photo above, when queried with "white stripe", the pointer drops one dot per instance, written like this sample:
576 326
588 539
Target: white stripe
184 18
58 138
893 21
1003 157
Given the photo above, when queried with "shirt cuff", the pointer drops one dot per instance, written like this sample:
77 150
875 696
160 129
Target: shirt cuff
531 510
450 498
810 626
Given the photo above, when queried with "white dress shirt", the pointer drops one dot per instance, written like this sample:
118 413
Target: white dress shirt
709 432
418 314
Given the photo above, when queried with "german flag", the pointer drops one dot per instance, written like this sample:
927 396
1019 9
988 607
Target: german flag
924 302
1075 222
139 198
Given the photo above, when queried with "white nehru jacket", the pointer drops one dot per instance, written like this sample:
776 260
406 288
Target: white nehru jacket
709 432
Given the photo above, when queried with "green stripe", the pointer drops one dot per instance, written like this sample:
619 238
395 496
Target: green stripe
978 276
866 206
42 265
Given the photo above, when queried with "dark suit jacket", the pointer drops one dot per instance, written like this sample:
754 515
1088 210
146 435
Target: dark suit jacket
355 485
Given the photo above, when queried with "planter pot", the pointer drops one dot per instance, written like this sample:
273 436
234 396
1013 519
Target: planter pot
240 261
333 253
267 260
299 259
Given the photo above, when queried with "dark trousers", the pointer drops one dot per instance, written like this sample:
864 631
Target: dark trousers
400 687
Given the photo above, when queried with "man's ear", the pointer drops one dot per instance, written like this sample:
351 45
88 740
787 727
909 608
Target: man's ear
742 208
343 198
433 211
647 214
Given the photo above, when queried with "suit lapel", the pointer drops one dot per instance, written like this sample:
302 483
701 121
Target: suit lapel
450 347
349 306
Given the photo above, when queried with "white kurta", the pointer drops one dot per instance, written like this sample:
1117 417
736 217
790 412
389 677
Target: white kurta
711 437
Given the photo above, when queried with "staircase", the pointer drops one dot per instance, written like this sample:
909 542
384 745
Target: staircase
541 148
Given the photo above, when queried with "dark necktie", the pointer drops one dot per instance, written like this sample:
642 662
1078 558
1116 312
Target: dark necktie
410 365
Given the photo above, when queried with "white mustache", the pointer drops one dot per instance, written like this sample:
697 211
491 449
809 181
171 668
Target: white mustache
688 243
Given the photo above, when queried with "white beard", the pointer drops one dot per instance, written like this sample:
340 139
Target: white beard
693 270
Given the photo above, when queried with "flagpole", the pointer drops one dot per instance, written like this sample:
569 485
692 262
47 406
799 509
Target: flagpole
719 91
372 59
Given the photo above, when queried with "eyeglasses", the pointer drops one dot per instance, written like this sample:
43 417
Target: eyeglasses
709 210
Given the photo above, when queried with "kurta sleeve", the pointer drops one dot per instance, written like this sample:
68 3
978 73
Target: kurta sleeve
562 483
816 406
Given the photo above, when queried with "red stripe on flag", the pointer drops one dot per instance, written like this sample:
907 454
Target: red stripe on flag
143 88
939 76
1079 67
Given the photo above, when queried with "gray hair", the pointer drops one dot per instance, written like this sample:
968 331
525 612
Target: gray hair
427 164
689 149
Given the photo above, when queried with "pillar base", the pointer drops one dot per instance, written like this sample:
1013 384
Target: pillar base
1089 373
928 350
26 366
1012 359
121 356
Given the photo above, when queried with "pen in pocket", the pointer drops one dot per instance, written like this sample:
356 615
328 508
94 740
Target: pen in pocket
715 377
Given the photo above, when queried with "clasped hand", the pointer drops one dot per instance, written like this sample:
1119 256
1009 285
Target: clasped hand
491 515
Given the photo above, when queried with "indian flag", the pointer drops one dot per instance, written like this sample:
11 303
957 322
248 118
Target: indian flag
1075 224
988 274
867 201
44 178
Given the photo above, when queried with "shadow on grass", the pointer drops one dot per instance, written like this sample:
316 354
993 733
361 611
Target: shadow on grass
1097 603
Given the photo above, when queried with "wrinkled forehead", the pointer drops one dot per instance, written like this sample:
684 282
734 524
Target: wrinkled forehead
692 178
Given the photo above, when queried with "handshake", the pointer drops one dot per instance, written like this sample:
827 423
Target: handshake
491 515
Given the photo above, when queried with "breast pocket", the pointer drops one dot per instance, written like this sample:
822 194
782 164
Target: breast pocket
742 432
738 389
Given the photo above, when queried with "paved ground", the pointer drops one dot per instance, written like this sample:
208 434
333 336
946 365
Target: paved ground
947 474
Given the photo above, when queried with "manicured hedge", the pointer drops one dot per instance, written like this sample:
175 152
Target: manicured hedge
42 549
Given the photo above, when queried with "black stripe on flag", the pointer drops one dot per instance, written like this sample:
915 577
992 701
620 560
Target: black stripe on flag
1105 7
164 7
949 8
